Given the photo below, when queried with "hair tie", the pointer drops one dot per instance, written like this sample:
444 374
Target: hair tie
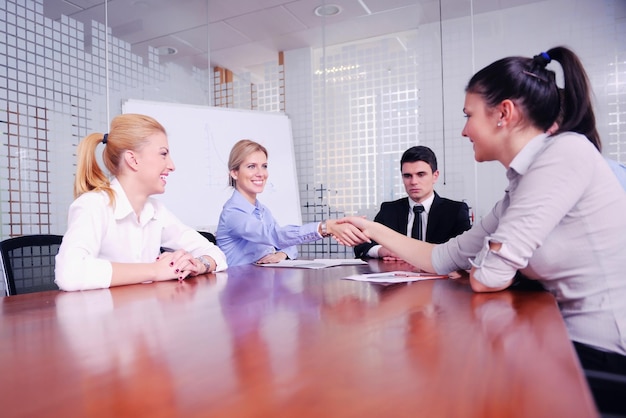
105 139
542 59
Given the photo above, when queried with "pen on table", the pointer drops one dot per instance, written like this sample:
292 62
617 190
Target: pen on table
392 274
425 275
388 274
395 274
406 275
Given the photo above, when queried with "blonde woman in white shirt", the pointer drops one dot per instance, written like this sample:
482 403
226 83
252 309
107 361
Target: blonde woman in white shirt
115 229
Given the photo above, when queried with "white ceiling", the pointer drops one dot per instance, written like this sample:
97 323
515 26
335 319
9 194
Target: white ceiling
243 34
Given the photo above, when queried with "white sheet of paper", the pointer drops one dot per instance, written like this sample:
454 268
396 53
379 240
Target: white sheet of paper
391 277
318 263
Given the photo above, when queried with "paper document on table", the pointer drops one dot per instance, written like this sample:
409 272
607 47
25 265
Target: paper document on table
318 263
391 277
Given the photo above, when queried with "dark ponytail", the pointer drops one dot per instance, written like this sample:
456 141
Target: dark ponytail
528 83
576 108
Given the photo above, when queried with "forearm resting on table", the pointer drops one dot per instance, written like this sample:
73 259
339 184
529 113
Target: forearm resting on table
477 286
131 273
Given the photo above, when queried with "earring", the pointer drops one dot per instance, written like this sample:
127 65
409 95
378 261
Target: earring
499 124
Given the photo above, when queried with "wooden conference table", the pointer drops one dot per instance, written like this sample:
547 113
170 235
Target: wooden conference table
276 342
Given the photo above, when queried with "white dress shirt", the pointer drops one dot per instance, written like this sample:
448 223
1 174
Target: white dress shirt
99 234
373 252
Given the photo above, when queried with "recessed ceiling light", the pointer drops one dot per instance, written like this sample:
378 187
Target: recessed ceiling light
166 50
327 10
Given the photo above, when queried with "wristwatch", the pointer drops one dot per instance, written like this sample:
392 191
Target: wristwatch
206 263
324 230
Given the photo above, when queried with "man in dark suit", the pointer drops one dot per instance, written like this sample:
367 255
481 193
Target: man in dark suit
439 217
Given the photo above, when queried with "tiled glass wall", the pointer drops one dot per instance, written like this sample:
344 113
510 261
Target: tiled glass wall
52 93
370 101
244 93
364 115
354 108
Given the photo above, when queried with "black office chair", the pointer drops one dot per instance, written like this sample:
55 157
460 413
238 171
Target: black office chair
205 234
208 236
28 263
608 391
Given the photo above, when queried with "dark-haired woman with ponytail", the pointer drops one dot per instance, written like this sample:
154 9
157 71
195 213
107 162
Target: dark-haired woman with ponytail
562 219
115 228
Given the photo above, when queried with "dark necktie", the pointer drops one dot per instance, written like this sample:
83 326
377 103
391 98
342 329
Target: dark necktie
416 231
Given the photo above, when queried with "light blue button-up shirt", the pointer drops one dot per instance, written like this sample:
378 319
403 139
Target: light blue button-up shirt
247 232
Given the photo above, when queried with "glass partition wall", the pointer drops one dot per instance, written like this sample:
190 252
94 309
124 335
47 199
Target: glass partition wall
354 105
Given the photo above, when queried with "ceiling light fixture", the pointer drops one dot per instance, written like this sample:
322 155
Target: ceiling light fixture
327 10
166 50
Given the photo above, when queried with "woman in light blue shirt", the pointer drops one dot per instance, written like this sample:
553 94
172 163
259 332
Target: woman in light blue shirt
248 233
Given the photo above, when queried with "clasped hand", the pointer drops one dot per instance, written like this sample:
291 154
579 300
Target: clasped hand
387 255
179 264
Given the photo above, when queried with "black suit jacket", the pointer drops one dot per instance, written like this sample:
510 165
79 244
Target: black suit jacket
446 219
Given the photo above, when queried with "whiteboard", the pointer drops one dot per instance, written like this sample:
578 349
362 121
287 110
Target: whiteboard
200 140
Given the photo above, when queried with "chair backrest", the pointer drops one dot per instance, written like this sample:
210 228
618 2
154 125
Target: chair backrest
208 236
28 262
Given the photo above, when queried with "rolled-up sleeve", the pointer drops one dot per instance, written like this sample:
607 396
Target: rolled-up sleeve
456 253
495 268
545 186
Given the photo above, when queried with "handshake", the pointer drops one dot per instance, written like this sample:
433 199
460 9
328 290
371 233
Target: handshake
348 231
354 230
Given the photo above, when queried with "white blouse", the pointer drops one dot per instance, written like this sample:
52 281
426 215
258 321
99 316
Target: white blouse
99 234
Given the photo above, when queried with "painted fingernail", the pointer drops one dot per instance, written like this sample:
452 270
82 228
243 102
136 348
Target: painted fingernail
172 264
180 278
177 270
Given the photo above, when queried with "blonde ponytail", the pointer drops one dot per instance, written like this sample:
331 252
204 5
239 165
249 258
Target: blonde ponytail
128 132
89 175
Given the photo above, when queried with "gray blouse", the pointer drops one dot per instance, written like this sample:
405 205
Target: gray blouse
562 221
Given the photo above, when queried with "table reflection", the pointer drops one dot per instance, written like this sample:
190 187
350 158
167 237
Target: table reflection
265 341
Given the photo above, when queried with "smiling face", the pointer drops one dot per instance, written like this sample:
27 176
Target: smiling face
154 163
251 175
419 180
481 127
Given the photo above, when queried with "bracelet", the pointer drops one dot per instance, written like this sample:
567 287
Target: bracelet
205 262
